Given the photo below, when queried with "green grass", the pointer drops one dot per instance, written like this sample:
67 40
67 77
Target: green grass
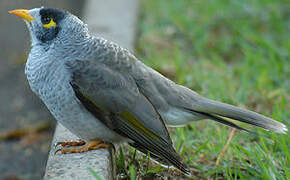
232 51
95 174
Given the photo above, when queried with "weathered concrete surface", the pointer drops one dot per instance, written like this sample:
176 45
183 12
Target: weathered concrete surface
19 107
114 20
76 166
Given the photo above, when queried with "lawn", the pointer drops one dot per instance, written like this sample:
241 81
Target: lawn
231 51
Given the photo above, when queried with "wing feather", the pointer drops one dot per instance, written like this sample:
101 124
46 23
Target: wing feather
114 98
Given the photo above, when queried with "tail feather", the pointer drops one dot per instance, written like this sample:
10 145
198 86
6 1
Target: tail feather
221 109
220 120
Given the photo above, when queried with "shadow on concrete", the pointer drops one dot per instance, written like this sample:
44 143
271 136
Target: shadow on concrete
19 108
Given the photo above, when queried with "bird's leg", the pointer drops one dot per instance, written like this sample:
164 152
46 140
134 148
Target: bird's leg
91 145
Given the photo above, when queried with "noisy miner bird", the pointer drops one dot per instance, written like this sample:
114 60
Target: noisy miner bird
104 94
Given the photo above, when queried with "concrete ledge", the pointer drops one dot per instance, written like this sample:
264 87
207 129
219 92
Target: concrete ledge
76 166
114 20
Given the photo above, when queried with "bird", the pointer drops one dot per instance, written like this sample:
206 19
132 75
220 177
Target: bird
105 95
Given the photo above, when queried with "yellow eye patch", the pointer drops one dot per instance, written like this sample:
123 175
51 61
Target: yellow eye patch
50 24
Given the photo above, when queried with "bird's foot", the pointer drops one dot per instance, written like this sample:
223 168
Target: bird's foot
83 147
70 143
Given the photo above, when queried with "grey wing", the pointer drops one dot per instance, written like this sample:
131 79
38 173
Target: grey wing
114 98
116 93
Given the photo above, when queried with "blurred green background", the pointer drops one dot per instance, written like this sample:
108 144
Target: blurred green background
231 51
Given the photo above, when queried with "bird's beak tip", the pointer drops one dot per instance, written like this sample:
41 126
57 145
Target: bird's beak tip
23 13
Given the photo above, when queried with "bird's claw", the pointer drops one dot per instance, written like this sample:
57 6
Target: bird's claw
91 145
70 143
59 150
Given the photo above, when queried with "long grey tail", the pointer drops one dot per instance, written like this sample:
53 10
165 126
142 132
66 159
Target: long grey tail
215 109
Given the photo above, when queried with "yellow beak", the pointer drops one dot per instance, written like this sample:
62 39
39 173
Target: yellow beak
23 13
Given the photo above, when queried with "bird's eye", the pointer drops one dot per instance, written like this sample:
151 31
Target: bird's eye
48 22
45 20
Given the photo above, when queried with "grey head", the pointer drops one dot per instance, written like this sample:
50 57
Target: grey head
57 36
49 25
